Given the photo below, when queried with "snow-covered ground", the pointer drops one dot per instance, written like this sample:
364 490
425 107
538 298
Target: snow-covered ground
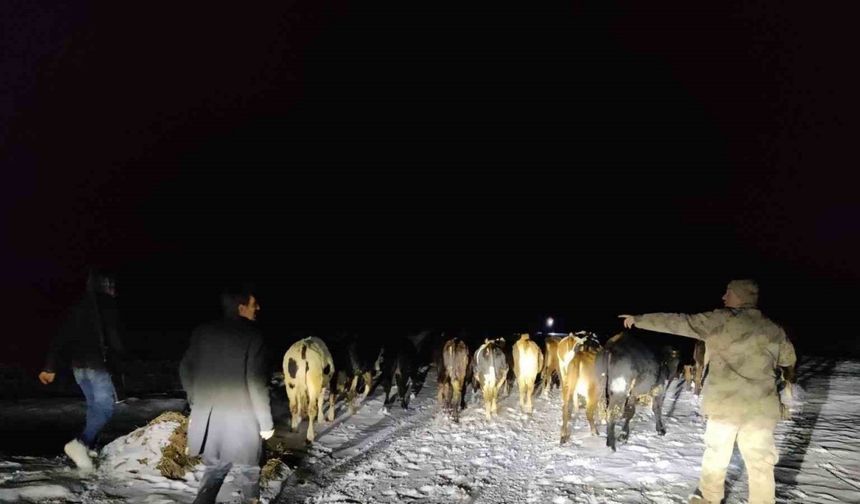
420 455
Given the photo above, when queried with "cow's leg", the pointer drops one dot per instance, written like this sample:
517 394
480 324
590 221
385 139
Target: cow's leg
292 397
488 390
498 388
697 380
614 408
320 403
350 394
688 376
521 393
331 401
657 408
386 386
544 390
565 414
591 407
629 411
402 382
456 386
531 389
573 379
368 380
312 415
610 429
494 399
441 395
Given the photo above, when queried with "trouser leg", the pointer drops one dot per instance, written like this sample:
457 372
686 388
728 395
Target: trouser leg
100 396
211 482
82 378
100 405
756 444
247 481
719 445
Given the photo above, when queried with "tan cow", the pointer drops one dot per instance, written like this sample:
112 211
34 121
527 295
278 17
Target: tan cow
550 367
564 354
581 381
308 368
528 362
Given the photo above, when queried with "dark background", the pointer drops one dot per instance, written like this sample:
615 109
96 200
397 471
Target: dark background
383 166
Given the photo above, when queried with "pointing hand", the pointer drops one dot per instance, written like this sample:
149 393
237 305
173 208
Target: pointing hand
629 320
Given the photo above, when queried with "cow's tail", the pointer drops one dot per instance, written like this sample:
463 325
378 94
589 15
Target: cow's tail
607 380
302 381
541 360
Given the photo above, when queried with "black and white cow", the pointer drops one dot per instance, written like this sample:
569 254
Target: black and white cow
308 368
629 370
490 372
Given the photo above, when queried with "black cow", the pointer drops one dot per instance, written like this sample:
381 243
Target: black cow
398 364
354 361
628 370
669 362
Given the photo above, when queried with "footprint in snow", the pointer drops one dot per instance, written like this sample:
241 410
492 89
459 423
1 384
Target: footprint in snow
410 492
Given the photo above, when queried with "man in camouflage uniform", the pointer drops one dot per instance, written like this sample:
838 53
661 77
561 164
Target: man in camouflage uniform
744 353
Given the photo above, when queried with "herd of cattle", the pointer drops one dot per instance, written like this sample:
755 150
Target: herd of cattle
610 378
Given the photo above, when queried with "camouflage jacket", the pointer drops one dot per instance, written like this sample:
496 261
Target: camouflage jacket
744 349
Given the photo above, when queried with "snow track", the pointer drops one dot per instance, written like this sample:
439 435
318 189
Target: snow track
424 457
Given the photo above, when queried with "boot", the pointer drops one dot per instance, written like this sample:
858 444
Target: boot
79 454
697 498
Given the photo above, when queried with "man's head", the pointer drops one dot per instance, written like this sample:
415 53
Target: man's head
101 281
240 303
741 294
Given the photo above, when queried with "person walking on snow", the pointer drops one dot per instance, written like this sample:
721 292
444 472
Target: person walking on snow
224 375
89 342
745 353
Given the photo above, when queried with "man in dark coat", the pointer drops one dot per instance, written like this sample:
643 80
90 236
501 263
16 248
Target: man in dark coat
223 373
89 342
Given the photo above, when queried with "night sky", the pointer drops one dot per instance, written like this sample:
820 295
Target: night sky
388 166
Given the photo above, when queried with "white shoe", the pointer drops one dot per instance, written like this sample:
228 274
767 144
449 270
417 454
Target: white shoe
79 454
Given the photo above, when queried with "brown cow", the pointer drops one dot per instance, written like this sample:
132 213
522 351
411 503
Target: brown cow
564 354
581 381
550 367
455 361
528 361
566 349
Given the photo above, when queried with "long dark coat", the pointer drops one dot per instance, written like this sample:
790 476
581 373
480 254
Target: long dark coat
223 373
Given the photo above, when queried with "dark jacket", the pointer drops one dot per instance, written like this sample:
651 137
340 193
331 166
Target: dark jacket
223 372
89 337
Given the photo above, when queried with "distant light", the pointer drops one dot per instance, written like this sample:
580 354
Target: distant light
549 321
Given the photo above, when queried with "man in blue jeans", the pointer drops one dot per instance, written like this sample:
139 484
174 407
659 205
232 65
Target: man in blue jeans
87 341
